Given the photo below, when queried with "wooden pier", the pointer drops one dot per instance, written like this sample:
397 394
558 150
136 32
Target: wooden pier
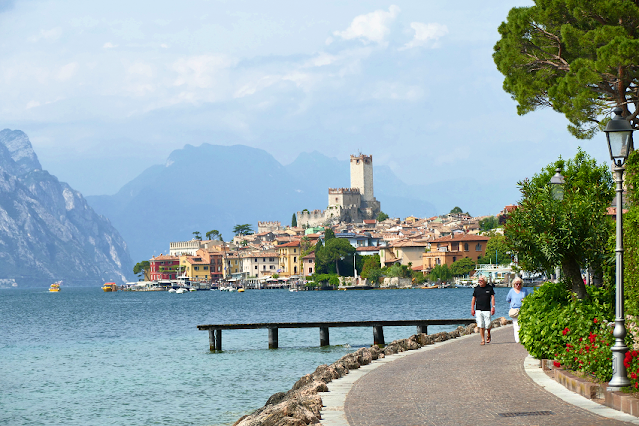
215 330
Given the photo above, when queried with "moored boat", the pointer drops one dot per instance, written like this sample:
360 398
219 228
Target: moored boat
109 287
55 287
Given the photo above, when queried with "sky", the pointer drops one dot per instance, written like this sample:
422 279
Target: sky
106 89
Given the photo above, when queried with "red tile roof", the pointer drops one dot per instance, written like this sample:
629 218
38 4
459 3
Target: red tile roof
461 237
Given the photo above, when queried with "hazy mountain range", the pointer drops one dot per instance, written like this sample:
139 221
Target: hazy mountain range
216 187
48 231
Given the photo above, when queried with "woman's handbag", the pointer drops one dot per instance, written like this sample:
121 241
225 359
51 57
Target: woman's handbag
513 312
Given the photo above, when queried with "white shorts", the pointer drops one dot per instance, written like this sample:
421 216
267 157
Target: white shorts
483 319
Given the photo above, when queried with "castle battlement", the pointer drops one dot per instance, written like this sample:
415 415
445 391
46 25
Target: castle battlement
343 190
366 159
269 226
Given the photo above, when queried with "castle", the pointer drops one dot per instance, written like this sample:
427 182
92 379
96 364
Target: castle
353 204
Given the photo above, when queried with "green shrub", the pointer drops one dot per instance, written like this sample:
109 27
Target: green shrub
575 332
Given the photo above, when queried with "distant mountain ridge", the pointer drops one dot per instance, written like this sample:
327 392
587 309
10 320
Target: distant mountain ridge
48 231
218 186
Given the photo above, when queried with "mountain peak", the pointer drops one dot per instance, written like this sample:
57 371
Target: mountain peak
20 149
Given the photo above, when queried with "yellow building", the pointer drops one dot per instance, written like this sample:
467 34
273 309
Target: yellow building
195 268
233 264
403 252
290 260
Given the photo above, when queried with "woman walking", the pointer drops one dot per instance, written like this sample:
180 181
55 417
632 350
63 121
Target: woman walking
515 297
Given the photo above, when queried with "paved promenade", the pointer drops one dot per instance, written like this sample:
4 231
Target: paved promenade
459 383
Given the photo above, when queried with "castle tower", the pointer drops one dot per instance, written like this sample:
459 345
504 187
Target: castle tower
362 176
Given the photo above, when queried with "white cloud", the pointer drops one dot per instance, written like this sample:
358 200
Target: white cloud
52 34
373 26
425 33
397 91
200 71
164 46
67 71
33 104
109 45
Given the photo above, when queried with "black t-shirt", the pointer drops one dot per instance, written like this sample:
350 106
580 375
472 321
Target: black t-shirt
482 297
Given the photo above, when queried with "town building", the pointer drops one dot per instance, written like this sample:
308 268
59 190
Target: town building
448 249
289 258
163 267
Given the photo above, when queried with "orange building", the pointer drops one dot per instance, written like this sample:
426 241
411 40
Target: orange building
448 249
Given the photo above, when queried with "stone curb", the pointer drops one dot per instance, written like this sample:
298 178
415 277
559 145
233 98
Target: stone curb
619 401
533 368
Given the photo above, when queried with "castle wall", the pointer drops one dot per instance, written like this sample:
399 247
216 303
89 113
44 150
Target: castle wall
344 197
268 226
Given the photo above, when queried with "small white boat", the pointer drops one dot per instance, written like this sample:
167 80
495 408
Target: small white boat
180 290
171 290
193 289
292 289
231 289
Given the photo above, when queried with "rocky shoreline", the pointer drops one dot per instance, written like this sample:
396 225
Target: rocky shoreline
302 404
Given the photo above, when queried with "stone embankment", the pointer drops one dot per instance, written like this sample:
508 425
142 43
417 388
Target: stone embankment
302 404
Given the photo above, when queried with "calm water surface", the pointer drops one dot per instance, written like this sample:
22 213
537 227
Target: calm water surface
85 357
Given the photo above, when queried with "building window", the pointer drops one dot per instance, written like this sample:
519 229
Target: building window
270 259
272 266
478 247
263 259
206 268
310 270
295 259
454 258
196 268
466 247
255 267
294 250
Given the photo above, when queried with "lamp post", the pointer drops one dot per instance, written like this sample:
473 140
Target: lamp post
557 185
619 136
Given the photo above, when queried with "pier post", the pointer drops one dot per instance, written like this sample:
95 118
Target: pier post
378 335
324 336
272 338
422 329
215 340
211 339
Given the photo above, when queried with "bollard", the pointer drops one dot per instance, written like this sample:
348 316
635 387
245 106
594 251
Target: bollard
218 340
324 336
422 329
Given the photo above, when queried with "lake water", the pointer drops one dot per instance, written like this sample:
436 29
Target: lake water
85 357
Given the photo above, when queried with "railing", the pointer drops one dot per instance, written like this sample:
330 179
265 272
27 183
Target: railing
215 330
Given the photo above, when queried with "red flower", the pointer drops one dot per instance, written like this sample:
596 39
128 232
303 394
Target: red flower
633 375
566 330
634 353
595 321
636 384
556 364
581 339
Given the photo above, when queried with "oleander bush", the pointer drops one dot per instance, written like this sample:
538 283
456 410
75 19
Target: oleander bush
577 333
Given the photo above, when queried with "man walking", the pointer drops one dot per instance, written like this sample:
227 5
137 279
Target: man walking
482 307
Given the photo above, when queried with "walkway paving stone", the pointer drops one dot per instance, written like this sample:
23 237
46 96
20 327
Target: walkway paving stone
462 383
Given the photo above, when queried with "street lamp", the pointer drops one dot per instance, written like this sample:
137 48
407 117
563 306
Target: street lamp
619 136
557 185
